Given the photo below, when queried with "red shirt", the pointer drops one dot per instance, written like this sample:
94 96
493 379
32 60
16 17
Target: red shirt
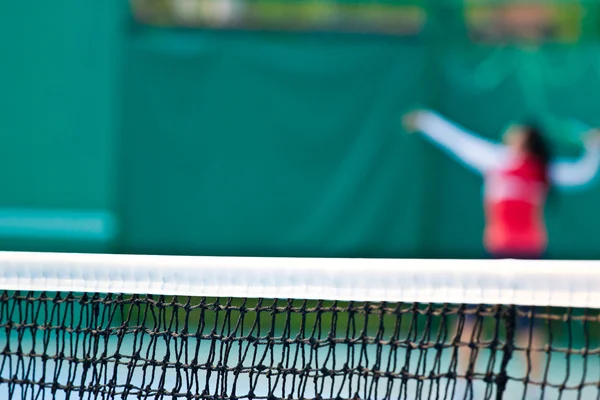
514 208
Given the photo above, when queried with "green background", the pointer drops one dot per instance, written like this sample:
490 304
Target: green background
266 143
58 78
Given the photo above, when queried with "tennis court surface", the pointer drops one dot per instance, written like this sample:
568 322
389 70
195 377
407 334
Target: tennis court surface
157 327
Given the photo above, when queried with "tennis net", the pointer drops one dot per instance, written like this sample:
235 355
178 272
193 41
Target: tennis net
141 327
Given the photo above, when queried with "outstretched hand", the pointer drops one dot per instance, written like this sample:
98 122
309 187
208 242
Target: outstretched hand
409 121
591 138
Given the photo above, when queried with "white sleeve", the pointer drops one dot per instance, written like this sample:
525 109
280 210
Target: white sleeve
577 173
475 152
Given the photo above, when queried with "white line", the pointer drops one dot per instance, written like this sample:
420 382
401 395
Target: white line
553 283
22 223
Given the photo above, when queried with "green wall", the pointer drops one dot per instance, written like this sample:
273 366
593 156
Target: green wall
58 73
269 144
249 143
239 143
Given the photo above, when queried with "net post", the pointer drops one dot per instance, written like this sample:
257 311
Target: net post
509 315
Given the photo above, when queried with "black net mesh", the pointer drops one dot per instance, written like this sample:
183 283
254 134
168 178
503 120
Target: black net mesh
106 346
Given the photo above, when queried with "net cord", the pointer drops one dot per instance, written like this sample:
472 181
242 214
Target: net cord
519 282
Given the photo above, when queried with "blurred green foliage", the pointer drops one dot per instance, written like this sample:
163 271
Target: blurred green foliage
382 16
558 20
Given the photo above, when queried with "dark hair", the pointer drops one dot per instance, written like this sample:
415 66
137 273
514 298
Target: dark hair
537 146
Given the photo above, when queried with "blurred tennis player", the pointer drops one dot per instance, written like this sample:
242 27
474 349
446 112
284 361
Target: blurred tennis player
517 177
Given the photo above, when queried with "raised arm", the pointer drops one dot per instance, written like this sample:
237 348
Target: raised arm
476 153
580 172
